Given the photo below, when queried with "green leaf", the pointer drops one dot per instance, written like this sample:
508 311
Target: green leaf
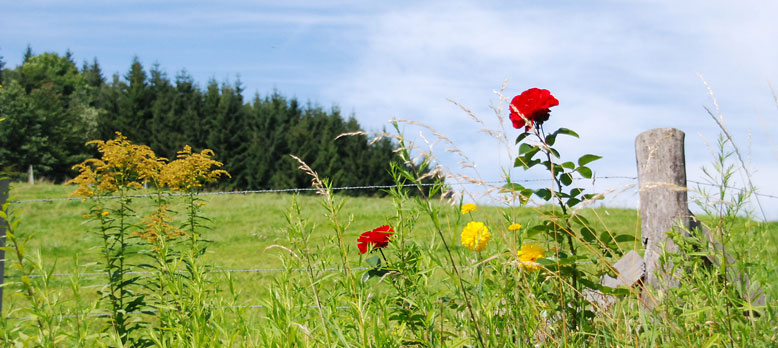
511 187
576 191
554 152
520 162
535 230
568 165
543 193
567 132
583 160
521 137
623 238
573 202
566 179
570 259
526 160
587 234
551 139
374 261
373 273
585 172
605 238
524 148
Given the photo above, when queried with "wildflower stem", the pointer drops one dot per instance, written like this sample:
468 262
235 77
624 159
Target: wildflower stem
427 205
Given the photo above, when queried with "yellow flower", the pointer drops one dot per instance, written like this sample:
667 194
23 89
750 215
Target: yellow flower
191 170
158 226
200 204
514 227
105 213
475 235
123 165
529 255
86 216
466 208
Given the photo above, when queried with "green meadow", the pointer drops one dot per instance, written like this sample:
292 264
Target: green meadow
257 277
243 226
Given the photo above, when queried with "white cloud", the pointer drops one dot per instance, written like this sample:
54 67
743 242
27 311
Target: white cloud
617 69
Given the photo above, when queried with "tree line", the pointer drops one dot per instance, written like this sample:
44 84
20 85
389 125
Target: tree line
52 107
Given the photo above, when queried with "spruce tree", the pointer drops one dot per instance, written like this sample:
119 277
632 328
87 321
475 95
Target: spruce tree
228 134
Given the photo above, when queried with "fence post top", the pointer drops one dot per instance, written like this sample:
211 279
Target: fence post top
661 132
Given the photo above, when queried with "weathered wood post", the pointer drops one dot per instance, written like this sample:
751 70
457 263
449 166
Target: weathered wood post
3 197
663 200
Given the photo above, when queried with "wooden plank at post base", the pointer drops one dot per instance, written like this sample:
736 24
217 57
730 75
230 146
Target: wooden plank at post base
661 168
629 270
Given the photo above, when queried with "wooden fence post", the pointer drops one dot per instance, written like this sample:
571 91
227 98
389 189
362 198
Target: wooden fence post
663 207
4 185
663 199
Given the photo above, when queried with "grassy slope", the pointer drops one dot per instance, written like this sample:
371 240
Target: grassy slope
245 225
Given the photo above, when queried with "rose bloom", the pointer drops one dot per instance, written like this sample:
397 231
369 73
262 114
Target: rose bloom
377 238
475 236
466 208
534 104
529 255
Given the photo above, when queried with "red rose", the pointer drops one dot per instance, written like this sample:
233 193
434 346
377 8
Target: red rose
534 104
377 238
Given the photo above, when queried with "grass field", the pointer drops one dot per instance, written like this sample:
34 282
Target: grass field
244 227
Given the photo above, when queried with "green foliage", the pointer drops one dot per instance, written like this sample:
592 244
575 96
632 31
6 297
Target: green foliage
52 108
47 117
581 254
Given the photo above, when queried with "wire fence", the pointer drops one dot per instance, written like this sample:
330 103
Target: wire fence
296 190
307 189
369 187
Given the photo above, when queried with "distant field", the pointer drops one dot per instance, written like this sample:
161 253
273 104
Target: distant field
244 225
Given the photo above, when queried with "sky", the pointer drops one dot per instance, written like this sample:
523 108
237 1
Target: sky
618 68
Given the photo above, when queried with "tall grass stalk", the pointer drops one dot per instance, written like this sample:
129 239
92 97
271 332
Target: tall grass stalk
413 175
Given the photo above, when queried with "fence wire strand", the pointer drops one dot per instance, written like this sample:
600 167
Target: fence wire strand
304 189
367 187
247 192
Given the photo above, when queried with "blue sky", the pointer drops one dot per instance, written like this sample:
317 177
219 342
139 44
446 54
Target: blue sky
617 67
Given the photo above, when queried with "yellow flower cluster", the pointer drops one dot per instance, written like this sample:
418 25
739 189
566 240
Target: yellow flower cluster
469 207
158 224
475 236
191 170
514 227
124 165
529 255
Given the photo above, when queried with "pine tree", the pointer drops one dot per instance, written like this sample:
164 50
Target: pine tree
187 108
166 131
93 74
27 54
134 114
228 134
